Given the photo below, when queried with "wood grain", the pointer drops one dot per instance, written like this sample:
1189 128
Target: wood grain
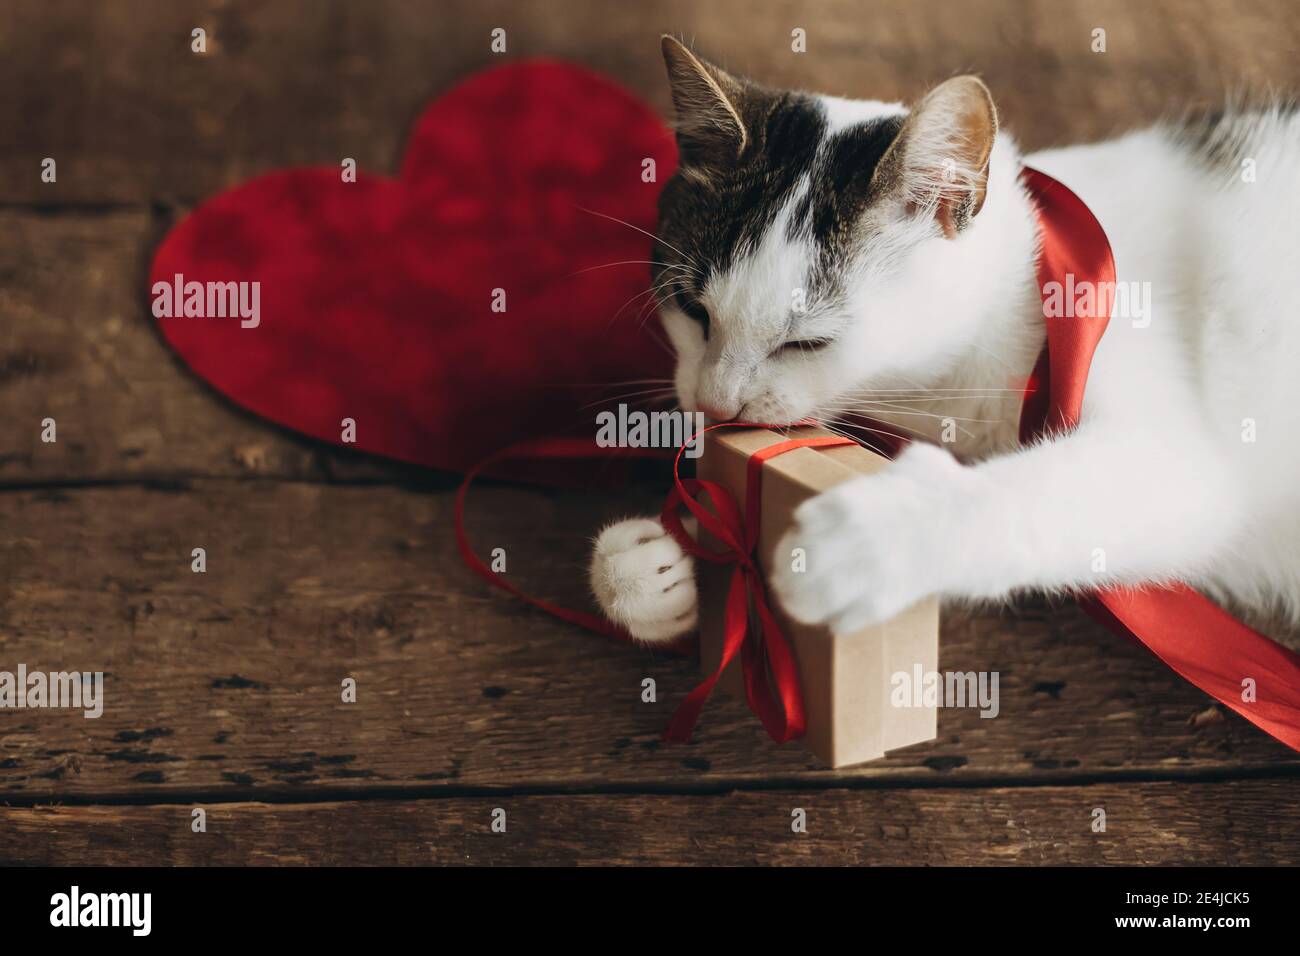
1244 822
224 688
115 95
78 344
143 128
228 682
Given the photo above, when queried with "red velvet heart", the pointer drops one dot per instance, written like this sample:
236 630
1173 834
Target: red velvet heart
376 296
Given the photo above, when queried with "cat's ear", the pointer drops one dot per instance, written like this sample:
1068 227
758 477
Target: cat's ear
708 101
940 160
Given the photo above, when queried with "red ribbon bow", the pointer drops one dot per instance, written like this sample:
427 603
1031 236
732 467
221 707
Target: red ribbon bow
763 649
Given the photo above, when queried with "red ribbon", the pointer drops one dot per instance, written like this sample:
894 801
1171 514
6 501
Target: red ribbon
762 650
549 449
1193 635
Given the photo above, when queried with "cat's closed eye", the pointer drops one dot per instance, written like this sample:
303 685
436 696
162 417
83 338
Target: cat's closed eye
804 345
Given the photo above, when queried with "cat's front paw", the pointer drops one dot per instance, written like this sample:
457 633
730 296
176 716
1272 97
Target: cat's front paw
868 549
644 581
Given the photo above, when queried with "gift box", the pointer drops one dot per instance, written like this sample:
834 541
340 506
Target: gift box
847 680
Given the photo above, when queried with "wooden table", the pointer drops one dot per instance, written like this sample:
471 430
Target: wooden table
223 688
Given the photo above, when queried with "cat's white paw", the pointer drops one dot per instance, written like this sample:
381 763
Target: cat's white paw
644 581
871 547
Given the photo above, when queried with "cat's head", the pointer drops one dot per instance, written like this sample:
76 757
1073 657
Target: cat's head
797 230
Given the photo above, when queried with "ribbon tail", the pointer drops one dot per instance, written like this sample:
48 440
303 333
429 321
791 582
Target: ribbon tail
782 714
682 725
546 449
1191 634
1207 646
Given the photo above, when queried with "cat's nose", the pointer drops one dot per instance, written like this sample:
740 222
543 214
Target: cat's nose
718 413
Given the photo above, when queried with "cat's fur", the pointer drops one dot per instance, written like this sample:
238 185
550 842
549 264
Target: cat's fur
913 245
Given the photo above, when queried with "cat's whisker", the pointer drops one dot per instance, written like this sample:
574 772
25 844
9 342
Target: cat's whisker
614 384
910 409
887 414
648 388
650 292
643 232
894 409
635 381
993 355
657 390
859 400
648 309
651 402
656 301
838 428
614 318
631 262
670 281
971 390
632 398
840 423
903 404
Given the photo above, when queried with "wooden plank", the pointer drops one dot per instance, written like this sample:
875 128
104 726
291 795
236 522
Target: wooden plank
78 344
225 686
1145 823
228 683
115 95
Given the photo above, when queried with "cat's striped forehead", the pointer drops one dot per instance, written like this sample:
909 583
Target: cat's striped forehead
807 170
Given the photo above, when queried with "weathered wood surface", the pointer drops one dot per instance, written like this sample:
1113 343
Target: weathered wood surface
229 681
1235 822
142 129
115 95
103 573
224 687
78 344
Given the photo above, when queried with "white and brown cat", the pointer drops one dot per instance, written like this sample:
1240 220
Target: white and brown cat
909 245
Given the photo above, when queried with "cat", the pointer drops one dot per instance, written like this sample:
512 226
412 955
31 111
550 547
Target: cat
910 244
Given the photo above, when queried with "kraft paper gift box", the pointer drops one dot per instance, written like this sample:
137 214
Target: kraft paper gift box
846 679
